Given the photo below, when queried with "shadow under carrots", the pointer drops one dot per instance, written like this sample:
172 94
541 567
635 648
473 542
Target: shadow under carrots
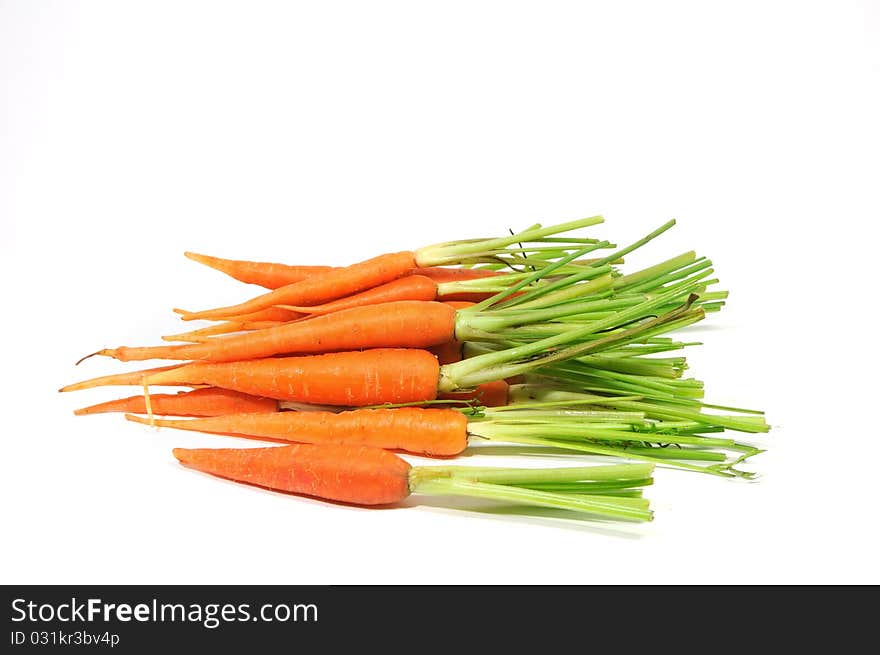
542 516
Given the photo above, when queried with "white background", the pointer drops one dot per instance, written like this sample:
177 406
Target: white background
329 132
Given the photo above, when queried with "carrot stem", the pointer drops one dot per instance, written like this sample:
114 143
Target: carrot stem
455 252
598 505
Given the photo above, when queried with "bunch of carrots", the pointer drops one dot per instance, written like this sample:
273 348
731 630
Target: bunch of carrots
538 338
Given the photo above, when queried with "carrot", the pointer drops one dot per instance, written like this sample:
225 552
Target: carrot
271 275
333 284
369 377
362 475
268 314
120 379
221 329
198 402
352 474
371 296
437 432
410 287
264 274
397 324
206 333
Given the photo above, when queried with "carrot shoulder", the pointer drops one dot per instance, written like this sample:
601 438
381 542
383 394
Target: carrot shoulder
351 474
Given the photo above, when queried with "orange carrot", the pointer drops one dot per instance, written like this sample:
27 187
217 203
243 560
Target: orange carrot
268 314
227 327
403 324
363 475
410 287
369 377
352 474
436 432
272 275
265 274
121 379
199 402
333 284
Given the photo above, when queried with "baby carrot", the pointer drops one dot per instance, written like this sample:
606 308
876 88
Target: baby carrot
352 474
198 402
437 432
120 379
271 275
369 377
362 475
410 287
264 274
587 427
401 324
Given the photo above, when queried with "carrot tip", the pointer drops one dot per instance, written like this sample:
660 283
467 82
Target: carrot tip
196 257
182 455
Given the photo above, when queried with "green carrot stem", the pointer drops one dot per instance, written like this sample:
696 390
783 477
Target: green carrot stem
566 288
521 399
741 423
576 433
645 286
622 452
660 454
655 271
452 252
638 244
516 476
521 359
537 275
598 505
589 487
619 493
